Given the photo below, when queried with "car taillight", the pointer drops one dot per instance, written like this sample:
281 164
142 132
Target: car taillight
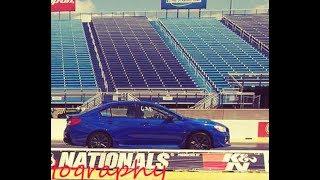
74 121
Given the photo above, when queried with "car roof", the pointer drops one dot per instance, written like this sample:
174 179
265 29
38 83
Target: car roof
132 103
129 103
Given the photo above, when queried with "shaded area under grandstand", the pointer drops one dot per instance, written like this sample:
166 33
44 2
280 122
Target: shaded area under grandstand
234 146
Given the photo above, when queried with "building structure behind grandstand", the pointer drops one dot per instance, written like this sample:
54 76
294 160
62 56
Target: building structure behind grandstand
189 59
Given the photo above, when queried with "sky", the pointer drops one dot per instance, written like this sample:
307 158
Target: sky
139 5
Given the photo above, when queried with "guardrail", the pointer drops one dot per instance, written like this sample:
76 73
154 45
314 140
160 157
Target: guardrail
248 79
169 97
63 97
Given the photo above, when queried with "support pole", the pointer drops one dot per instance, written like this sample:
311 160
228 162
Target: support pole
230 7
177 13
166 13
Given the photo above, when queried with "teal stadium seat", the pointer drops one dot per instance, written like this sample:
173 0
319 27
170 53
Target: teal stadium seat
216 49
71 66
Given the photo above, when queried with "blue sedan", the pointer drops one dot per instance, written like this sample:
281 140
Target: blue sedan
137 124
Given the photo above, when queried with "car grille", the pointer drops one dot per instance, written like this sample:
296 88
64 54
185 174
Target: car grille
227 138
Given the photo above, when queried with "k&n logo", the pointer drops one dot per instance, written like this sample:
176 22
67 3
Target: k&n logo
238 161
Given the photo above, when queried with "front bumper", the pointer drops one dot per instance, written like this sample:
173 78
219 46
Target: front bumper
221 139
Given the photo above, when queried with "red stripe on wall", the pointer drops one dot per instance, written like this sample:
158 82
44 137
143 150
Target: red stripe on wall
214 165
209 157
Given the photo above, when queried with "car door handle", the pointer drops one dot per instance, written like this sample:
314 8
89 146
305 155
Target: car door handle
144 124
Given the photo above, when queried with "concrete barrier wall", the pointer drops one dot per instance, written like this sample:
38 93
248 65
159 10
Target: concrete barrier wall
244 131
57 128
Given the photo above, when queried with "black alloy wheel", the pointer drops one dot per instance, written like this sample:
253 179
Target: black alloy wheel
99 140
199 141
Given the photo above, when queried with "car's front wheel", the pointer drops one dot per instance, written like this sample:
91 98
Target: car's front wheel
99 140
199 141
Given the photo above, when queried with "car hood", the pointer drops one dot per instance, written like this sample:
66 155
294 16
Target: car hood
205 121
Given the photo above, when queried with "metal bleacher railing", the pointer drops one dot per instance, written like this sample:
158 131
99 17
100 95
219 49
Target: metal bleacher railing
248 79
159 13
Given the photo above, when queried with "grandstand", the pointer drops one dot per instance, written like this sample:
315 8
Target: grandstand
134 56
71 67
254 28
215 49
165 60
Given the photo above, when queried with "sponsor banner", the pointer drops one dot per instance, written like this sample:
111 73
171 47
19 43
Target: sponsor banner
56 98
263 129
266 161
183 4
214 161
63 5
233 161
167 98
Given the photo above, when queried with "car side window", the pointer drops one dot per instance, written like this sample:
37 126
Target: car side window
149 112
106 112
119 111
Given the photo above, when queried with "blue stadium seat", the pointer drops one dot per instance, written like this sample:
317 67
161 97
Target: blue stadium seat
255 25
134 56
216 49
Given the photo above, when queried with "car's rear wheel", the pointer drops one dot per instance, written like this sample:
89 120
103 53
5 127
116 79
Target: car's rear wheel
99 140
199 141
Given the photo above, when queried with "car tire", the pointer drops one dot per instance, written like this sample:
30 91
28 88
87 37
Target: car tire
99 140
199 141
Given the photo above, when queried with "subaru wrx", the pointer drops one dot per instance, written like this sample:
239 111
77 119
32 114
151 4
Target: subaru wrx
137 124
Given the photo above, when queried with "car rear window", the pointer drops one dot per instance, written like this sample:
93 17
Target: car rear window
119 111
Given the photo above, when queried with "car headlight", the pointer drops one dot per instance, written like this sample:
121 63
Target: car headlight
220 128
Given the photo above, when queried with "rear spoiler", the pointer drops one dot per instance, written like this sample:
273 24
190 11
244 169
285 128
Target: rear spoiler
72 112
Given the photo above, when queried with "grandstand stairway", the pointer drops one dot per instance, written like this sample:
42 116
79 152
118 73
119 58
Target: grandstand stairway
209 102
99 74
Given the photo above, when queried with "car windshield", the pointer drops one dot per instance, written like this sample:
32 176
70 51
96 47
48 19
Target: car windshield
168 112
